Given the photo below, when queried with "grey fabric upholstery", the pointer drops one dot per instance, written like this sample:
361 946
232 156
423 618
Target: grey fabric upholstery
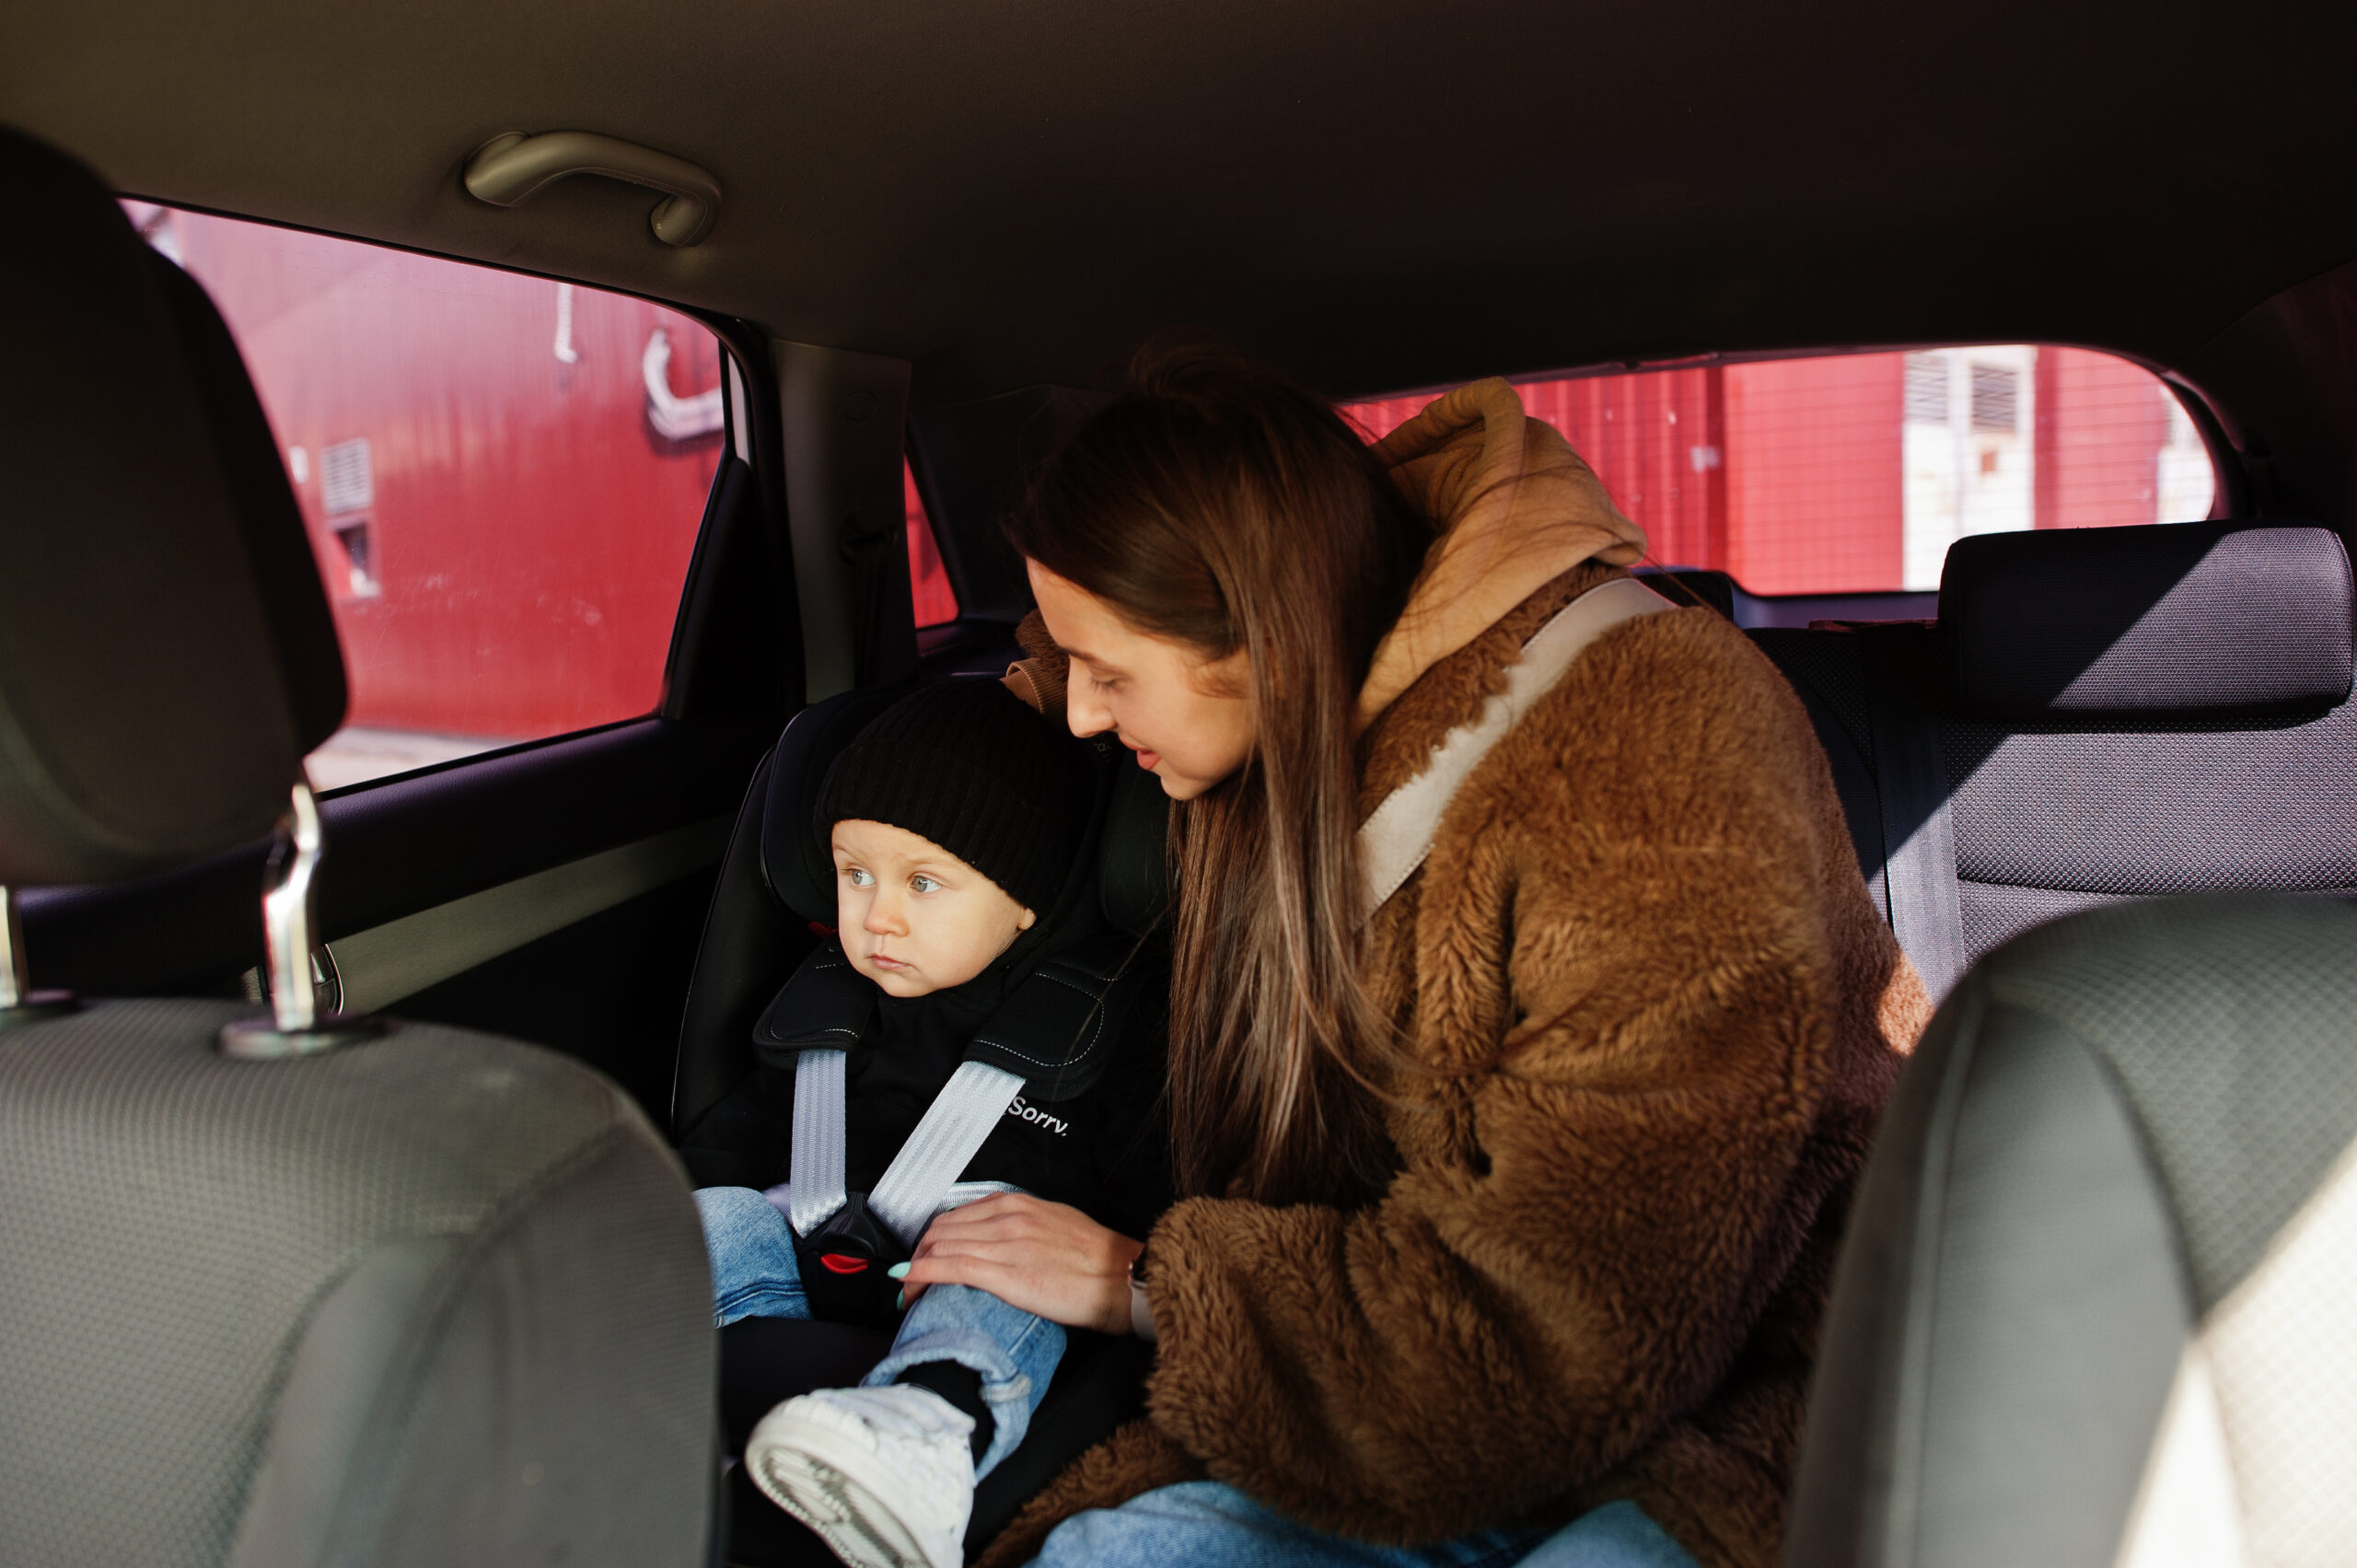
2066 810
433 1298
2045 817
149 607
2182 617
437 1299
2111 1210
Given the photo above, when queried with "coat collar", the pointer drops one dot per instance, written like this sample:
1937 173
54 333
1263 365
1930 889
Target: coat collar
1516 507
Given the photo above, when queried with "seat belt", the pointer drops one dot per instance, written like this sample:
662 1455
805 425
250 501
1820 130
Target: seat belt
1398 835
1048 1031
816 1161
953 1128
1912 787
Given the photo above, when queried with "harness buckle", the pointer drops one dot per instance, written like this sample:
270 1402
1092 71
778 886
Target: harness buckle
842 1267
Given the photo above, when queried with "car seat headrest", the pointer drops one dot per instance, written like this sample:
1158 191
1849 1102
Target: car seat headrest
1129 849
2176 618
167 656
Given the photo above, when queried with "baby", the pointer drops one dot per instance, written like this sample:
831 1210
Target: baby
954 823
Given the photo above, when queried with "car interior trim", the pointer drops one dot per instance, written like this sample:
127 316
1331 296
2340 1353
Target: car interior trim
845 415
384 963
509 168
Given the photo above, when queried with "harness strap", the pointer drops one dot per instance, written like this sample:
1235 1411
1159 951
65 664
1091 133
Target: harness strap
1046 1033
817 1169
1398 835
961 1116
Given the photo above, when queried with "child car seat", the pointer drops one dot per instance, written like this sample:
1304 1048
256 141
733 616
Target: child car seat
776 886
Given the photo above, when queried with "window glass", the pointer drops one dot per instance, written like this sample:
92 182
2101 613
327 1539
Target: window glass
936 601
1853 473
503 477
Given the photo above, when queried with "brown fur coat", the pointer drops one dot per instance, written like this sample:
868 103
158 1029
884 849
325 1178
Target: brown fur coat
1653 1016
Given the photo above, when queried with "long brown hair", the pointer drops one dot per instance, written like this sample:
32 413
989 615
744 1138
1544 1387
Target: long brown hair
1219 505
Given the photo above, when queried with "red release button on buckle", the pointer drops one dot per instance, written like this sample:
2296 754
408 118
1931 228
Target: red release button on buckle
842 1263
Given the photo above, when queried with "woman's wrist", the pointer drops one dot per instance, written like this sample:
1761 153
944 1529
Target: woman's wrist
1118 1314
1141 1309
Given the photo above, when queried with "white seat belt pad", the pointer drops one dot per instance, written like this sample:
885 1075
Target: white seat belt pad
816 1171
1398 835
928 1166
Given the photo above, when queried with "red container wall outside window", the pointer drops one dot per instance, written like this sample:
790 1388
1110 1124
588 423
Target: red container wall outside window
1852 473
503 476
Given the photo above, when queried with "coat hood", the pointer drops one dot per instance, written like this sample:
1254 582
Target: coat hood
1515 508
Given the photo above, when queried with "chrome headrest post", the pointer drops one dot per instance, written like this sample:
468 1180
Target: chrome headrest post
16 983
303 1020
290 912
20 1003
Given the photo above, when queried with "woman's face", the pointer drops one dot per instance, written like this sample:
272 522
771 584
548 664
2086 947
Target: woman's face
1189 719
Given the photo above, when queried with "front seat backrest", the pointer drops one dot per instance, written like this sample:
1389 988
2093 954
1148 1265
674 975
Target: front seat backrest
433 1298
2093 1308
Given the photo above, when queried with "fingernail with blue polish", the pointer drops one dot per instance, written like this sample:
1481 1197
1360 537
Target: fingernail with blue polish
897 1272
901 1300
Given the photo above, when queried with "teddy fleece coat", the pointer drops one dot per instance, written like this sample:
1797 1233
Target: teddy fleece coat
1651 1015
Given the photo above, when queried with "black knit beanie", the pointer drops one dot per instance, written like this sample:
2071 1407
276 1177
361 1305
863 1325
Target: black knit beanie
968 765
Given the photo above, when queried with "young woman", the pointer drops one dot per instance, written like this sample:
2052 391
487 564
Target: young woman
1515 1207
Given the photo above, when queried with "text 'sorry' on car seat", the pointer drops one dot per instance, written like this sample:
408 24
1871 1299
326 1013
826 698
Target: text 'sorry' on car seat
348 1292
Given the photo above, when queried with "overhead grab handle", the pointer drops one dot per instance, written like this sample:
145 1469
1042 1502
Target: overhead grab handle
509 168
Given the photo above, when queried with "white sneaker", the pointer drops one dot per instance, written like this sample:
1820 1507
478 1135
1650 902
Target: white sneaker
884 1476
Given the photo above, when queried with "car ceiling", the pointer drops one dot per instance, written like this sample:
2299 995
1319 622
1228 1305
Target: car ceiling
1382 194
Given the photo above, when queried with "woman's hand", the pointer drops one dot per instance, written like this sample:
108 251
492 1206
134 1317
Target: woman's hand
1045 1257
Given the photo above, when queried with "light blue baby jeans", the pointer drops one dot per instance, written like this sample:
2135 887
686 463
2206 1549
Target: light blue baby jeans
1209 1523
755 1274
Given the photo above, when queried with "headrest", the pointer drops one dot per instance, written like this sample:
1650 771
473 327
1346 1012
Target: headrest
2179 618
166 657
800 873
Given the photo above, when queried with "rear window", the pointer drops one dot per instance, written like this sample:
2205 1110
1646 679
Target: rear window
1853 473
503 477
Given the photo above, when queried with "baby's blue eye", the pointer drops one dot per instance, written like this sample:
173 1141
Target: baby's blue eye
858 878
923 884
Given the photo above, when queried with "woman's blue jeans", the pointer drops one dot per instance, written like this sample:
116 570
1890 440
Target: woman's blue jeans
755 1274
1213 1524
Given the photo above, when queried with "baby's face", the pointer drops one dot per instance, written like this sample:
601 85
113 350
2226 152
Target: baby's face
915 918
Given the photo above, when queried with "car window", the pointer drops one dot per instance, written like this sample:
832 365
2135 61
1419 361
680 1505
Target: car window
502 478
1854 473
935 601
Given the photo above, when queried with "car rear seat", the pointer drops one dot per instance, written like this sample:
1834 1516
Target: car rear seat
2098 714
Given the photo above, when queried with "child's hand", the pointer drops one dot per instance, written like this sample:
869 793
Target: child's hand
1045 1257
